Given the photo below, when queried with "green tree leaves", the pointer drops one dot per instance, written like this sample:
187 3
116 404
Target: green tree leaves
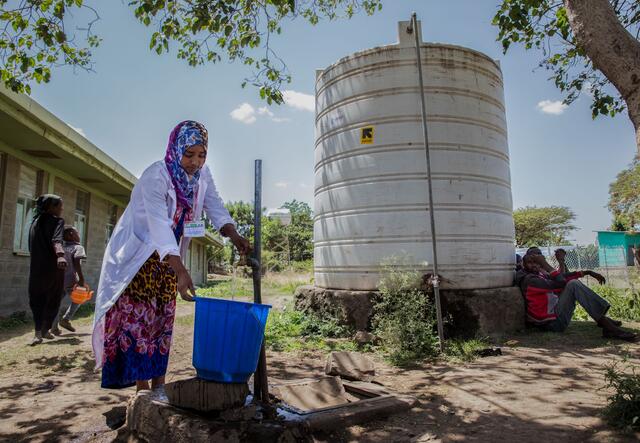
35 39
543 25
543 226
624 198
298 234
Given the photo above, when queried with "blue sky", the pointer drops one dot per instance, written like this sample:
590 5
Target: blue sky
134 98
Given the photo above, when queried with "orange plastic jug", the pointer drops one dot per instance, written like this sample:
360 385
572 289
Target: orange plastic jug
81 294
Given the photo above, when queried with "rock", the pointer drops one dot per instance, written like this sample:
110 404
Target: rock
364 338
353 308
201 395
350 365
239 414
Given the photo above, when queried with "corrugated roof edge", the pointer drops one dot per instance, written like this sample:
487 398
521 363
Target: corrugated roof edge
49 121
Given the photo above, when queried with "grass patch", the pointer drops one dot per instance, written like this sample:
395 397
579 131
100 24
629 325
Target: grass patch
625 303
241 287
464 350
273 284
291 330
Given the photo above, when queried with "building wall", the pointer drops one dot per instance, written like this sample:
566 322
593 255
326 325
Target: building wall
616 248
14 268
195 263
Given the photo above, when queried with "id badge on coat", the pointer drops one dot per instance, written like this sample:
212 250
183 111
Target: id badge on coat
194 229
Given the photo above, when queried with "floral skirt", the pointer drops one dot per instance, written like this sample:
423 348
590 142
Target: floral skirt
138 327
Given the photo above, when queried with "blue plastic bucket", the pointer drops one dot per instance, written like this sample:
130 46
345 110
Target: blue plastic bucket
227 339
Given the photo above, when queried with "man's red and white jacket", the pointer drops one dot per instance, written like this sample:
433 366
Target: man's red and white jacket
541 292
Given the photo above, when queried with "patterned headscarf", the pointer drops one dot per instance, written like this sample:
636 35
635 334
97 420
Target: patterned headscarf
188 133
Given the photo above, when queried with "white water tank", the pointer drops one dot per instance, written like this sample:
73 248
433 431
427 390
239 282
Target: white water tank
371 195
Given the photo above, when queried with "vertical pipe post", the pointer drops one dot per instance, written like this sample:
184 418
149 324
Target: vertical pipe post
436 278
257 228
260 383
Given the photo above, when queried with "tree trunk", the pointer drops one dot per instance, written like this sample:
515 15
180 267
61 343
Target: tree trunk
611 48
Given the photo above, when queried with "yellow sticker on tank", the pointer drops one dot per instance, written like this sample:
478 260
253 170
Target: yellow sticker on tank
366 135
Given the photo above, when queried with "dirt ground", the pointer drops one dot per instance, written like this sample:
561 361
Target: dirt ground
544 387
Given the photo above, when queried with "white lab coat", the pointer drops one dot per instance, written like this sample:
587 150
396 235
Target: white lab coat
145 227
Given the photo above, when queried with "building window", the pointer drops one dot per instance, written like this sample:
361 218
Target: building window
27 188
81 214
112 219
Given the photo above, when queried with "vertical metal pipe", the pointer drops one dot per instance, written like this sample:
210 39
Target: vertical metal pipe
436 279
257 228
260 382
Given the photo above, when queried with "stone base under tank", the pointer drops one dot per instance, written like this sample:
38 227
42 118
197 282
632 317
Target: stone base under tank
470 312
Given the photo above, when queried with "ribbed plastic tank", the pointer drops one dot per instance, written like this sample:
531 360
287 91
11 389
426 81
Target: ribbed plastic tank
371 191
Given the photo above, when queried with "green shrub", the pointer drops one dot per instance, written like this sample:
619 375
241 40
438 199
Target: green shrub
623 408
625 303
404 318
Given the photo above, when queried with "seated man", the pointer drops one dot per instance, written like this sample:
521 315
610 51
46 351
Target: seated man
562 266
551 300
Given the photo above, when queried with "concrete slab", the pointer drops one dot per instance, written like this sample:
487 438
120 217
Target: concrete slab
308 395
350 365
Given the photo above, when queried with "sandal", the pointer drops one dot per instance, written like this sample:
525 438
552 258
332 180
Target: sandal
620 335
618 323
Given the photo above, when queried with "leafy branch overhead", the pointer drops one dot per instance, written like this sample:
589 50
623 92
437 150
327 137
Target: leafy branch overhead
37 38
544 25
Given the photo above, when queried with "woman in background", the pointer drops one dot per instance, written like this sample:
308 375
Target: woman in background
46 271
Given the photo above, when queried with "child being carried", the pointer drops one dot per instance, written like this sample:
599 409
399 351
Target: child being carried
73 253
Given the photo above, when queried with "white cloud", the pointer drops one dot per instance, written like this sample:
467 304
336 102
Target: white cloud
78 130
299 100
244 113
552 107
281 184
265 111
247 114
304 185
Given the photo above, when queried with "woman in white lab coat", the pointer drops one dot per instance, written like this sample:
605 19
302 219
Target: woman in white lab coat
142 270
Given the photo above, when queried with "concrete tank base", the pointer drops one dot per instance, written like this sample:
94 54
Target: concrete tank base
470 312
483 312
353 308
